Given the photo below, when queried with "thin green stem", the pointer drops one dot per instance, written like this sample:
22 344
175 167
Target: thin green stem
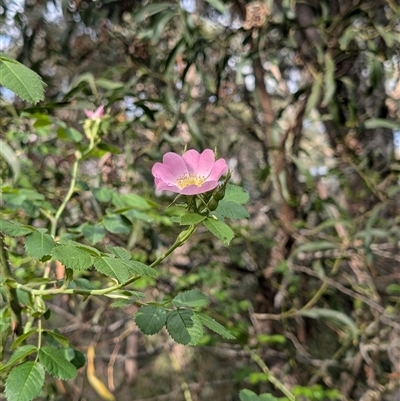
182 238
67 196
270 376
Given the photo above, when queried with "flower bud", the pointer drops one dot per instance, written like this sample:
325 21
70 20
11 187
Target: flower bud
212 204
219 193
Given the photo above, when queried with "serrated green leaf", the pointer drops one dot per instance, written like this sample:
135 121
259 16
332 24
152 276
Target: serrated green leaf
191 218
140 269
56 364
39 244
185 327
73 257
21 80
220 229
150 319
14 229
111 267
192 298
20 354
89 249
116 224
215 326
268 397
25 382
120 252
232 210
136 201
94 233
236 194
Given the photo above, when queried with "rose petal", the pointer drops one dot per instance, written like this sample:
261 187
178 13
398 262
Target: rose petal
99 112
219 169
175 164
199 164
163 172
191 158
163 186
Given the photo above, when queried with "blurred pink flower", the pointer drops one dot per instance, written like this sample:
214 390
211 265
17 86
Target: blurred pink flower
94 115
190 174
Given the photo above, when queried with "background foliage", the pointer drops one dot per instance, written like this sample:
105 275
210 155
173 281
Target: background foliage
302 98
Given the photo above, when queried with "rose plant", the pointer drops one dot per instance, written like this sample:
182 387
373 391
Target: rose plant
205 197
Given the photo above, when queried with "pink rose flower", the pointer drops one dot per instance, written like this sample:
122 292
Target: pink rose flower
94 115
190 174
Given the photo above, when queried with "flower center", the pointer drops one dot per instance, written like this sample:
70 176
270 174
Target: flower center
190 179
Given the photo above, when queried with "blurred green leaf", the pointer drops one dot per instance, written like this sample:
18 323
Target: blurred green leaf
191 218
19 354
192 298
373 123
336 317
94 233
8 154
216 327
116 224
151 9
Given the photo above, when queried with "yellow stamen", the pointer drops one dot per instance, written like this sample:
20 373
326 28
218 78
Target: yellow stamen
190 179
